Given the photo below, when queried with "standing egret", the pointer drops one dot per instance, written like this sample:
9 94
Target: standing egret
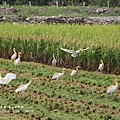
7 78
17 61
74 72
13 57
58 75
113 88
54 61
23 87
101 66
74 53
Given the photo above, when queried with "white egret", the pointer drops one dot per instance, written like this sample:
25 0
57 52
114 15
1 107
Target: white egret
17 61
113 88
23 87
54 61
13 57
7 78
101 66
58 75
74 72
74 53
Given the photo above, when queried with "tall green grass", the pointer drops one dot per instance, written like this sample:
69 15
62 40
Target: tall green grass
39 42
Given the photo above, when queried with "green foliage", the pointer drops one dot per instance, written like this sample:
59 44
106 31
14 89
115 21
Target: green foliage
39 42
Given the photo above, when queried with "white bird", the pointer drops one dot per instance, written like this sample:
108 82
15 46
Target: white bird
113 88
74 72
101 66
7 78
58 75
13 57
54 61
17 61
23 87
74 53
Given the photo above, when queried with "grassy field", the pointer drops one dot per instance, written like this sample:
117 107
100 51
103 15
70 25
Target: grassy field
39 42
83 98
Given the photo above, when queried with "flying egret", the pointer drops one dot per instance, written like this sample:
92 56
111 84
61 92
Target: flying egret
23 87
58 75
101 66
7 78
74 53
13 57
113 88
54 61
17 61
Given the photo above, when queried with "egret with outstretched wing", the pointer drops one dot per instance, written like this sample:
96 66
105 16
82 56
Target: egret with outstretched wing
7 79
74 53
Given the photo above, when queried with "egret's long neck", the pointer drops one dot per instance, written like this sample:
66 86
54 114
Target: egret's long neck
53 57
116 84
76 69
63 72
102 63
19 56
29 82
14 51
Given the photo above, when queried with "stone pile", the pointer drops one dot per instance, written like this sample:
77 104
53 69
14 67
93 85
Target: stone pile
11 17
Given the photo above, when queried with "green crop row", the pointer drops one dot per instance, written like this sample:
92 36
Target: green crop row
39 42
84 97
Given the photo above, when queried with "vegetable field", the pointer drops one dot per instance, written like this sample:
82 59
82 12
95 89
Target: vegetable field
82 97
